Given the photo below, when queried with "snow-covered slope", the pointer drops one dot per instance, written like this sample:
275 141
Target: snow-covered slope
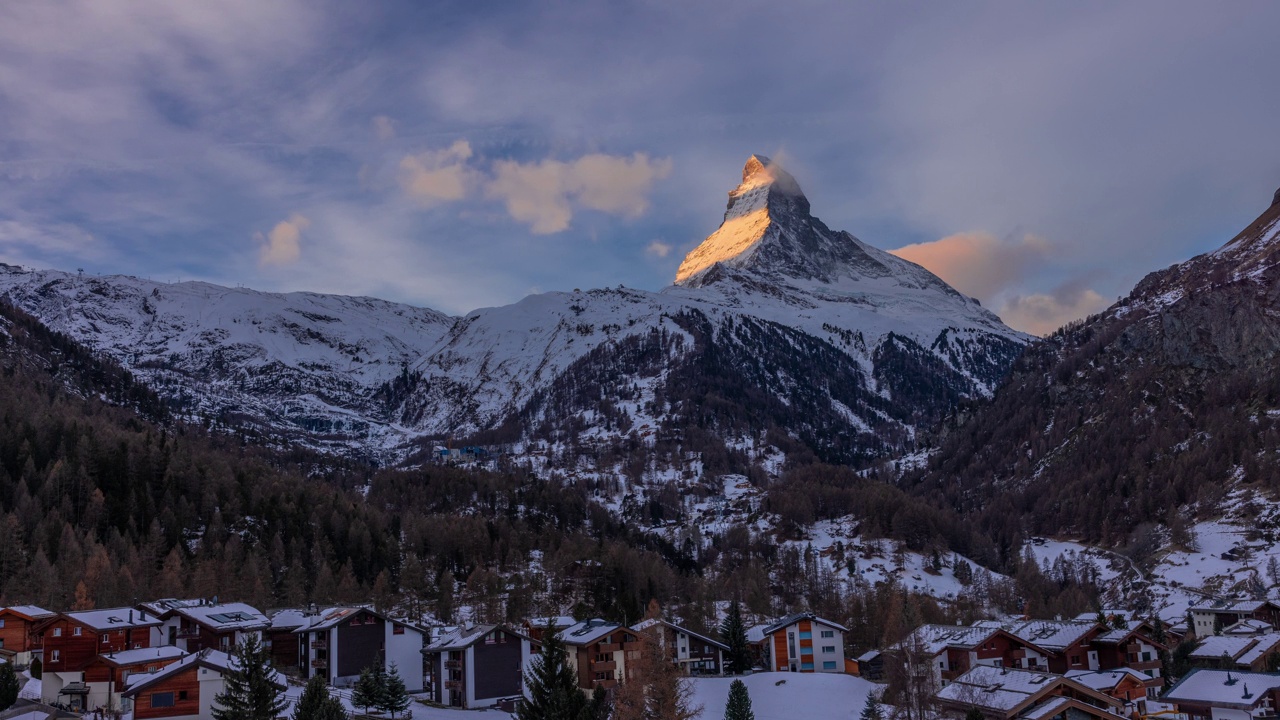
801 318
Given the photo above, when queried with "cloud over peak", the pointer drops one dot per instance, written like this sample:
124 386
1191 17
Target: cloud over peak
283 245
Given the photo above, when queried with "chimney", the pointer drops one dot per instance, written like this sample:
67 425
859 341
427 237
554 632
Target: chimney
131 617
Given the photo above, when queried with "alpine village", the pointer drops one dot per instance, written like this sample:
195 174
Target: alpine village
806 478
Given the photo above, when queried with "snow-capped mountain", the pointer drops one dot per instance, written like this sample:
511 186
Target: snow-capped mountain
774 322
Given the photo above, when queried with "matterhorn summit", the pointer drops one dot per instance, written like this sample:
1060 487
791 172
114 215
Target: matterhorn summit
769 234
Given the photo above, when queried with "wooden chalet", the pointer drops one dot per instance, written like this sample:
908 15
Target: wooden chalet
1002 693
185 689
73 640
19 643
693 653
601 652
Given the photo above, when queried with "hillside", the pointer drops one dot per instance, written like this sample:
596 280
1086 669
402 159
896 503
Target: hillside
1127 428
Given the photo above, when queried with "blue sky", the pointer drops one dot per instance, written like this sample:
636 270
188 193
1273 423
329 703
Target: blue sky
1040 156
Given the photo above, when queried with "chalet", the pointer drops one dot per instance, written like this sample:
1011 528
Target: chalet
1238 652
477 667
19 644
1248 626
1211 617
186 689
695 654
337 643
1062 646
755 641
804 643
107 676
194 625
1225 695
601 652
952 650
1007 693
871 666
281 639
1135 649
72 641
1127 686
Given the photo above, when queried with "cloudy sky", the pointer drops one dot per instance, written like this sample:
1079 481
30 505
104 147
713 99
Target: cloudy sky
1040 156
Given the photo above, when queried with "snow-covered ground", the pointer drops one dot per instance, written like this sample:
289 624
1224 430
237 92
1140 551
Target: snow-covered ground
787 696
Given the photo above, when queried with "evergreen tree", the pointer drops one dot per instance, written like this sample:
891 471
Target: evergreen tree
734 634
368 691
10 686
739 705
331 710
870 711
313 698
395 696
553 692
249 690
600 707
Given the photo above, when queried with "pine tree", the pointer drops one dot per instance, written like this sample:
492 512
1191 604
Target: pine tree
871 710
600 707
249 688
10 686
553 692
396 696
734 634
739 705
313 698
331 709
367 692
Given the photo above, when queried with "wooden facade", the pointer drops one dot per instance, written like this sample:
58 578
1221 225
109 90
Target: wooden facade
174 696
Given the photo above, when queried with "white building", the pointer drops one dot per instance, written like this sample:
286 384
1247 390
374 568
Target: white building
338 643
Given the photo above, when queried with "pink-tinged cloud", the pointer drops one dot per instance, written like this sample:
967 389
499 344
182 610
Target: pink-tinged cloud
1041 314
283 245
438 176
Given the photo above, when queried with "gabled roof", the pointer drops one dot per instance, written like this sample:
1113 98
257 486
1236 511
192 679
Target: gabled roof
1223 688
464 637
28 612
556 622
113 618
1232 606
1010 691
1215 646
793 619
1247 626
215 660
1118 637
331 617
933 639
167 607
646 624
288 619
755 633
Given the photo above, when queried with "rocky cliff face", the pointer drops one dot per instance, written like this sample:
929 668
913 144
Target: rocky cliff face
775 323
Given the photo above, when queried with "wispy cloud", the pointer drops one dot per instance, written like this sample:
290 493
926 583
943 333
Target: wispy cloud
658 249
543 194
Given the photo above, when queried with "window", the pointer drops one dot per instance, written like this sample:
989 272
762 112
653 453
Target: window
57 655
182 694
105 638
829 649
75 631
828 634
829 665
1 622
161 699
1 643
57 632
399 630
1146 657
1075 659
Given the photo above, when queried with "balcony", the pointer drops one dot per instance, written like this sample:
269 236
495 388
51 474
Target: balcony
609 647
453 664
453 685
189 632
320 644
320 663
606 666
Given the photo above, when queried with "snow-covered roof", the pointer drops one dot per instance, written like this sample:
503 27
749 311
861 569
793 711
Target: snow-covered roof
793 619
226 617
557 622
936 638
1223 688
1231 606
1047 709
463 637
29 612
1215 646
1265 645
113 618
140 656
330 617
288 619
166 606
868 656
588 631
1104 680
1052 634
755 633
1247 626
1008 689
